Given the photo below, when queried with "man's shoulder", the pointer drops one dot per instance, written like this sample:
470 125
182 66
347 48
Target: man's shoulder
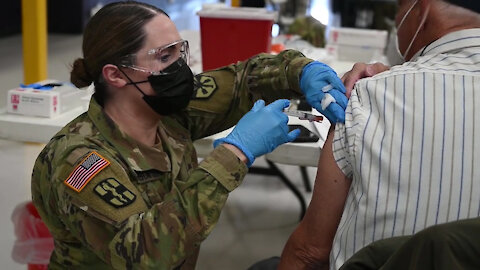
463 63
424 64
397 70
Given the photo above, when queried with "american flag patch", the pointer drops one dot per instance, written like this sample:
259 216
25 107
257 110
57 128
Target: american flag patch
85 171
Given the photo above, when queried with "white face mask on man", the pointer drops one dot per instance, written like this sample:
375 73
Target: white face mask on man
424 18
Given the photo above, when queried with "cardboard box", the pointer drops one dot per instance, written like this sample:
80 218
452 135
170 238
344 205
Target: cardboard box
357 37
353 53
44 103
357 45
229 35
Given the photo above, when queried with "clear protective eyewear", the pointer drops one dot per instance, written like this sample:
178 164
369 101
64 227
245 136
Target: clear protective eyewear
155 61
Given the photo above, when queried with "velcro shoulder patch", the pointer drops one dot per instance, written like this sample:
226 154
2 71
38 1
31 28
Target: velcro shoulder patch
90 166
110 196
114 193
205 86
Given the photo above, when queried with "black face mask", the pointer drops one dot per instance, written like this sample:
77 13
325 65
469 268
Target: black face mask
173 90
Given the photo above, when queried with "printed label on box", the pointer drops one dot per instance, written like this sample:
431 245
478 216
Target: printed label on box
15 99
44 103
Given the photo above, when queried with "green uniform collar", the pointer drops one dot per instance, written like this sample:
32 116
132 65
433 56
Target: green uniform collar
140 157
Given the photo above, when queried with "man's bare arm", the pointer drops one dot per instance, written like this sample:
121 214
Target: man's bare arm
310 244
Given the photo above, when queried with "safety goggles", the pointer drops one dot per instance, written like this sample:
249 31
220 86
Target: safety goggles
154 61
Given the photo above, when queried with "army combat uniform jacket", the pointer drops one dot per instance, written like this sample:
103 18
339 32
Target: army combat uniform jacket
112 203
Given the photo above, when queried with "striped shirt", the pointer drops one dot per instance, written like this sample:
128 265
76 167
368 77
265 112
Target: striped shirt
409 145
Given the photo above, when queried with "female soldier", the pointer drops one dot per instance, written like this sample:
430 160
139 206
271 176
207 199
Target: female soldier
119 187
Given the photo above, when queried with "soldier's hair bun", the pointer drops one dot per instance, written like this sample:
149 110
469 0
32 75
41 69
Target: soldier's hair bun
79 75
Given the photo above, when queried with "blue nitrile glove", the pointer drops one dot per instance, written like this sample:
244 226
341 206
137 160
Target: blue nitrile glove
261 130
38 86
324 91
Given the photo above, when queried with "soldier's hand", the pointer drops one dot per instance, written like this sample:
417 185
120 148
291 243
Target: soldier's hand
360 71
324 91
261 130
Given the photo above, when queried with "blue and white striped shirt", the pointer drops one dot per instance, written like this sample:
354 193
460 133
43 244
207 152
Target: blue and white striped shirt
409 144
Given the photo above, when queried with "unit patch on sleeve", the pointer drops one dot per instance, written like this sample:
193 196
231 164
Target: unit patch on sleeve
85 171
204 86
114 193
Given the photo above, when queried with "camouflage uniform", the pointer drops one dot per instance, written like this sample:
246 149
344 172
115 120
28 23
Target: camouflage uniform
140 207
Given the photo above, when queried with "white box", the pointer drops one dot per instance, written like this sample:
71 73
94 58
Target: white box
353 53
357 45
44 103
357 37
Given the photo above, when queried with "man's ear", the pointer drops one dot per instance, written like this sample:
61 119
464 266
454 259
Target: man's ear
113 76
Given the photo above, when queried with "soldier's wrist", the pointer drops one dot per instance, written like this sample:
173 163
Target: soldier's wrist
237 152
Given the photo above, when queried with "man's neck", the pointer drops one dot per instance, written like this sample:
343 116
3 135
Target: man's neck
457 19
439 24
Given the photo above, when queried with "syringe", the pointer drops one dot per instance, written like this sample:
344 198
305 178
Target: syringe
302 115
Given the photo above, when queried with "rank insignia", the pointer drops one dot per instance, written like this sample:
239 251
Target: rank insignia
114 193
85 171
204 86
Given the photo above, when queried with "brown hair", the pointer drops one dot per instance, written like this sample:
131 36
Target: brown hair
114 31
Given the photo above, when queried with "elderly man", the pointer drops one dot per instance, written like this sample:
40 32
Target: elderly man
406 157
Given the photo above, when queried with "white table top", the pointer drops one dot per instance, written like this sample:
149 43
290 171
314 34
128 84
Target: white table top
301 154
39 129
34 129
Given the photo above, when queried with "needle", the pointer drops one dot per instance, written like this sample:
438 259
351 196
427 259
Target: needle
302 115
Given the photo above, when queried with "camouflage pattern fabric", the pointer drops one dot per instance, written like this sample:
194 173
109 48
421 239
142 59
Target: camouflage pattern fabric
113 203
309 29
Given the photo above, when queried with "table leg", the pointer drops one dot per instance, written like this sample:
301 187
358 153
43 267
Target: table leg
306 180
274 170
